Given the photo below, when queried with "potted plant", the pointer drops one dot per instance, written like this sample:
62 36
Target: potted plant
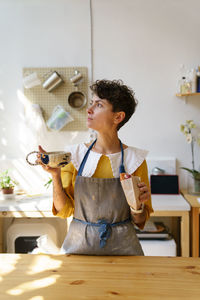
190 130
7 184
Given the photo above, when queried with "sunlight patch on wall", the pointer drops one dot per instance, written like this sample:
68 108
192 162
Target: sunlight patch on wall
22 98
32 179
4 142
2 106
32 129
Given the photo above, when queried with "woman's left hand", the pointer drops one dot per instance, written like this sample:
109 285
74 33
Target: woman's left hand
144 192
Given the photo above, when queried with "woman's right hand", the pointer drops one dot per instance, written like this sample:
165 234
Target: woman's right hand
53 171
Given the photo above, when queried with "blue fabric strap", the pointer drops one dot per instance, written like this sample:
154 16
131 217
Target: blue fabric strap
82 165
121 167
105 228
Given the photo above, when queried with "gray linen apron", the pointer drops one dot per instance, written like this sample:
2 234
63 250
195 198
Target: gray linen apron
101 223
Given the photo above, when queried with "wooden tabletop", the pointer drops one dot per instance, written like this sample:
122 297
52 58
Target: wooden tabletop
192 199
169 203
50 277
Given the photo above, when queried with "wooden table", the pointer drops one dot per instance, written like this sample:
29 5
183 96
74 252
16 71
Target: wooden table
48 277
174 206
195 211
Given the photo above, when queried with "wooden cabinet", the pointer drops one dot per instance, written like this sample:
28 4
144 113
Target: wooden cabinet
195 212
174 206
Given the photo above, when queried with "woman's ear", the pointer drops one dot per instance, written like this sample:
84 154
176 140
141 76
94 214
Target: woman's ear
119 117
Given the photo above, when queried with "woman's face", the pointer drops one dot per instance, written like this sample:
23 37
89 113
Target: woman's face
100 115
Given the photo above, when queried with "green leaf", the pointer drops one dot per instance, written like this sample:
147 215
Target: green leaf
47 184
195 173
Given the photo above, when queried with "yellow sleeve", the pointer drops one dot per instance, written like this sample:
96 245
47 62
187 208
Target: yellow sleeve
142 172
68 176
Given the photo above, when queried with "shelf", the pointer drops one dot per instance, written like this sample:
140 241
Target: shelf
188 94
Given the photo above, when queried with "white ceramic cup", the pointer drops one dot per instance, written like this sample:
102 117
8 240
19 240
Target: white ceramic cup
31 80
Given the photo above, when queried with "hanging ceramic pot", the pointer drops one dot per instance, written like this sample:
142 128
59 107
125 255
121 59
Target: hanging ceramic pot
77 100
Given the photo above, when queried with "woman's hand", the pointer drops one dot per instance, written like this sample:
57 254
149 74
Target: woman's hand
52 171
59 195
144 192
140 218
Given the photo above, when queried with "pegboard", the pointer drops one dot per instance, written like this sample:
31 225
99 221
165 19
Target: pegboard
48 100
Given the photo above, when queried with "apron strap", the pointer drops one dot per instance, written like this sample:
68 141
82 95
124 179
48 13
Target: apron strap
82 165
104 229
121 167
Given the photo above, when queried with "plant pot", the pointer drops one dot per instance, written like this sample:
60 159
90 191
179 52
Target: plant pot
197 186
193 185
7 191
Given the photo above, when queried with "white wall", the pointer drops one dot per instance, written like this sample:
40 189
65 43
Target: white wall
142 42
37 33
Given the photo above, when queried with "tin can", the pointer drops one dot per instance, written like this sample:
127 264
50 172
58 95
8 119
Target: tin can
52 82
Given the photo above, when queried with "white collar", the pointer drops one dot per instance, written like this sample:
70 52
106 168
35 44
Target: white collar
133 158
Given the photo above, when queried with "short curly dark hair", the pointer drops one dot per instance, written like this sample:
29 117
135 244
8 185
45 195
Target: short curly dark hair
118 94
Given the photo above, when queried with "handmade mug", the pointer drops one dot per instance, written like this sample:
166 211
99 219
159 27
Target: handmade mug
56 159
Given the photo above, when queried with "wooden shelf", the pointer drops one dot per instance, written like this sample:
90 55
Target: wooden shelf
188 94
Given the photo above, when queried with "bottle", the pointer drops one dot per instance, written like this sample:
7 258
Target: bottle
185 83
198 80
193 78
182 73
185 86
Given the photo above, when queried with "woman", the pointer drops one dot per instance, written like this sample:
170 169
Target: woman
89 186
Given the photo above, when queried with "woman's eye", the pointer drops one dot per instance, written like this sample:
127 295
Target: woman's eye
99 105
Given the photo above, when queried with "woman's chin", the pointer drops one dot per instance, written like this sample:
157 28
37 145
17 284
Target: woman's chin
89 125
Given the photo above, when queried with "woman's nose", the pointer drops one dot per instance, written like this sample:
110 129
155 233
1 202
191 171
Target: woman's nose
89 109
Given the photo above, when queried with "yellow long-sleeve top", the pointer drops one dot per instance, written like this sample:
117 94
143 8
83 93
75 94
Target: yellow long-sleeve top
103 170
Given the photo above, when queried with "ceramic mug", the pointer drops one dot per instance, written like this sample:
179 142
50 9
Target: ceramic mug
56 159
31 80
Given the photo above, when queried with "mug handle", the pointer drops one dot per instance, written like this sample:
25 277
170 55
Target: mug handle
35 164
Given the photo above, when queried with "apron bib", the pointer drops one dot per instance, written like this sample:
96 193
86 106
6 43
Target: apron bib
101 223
